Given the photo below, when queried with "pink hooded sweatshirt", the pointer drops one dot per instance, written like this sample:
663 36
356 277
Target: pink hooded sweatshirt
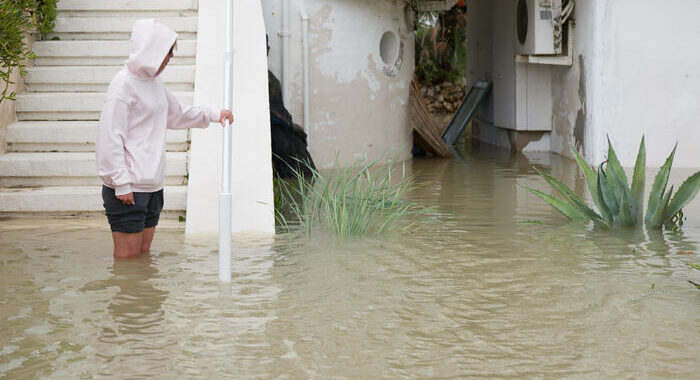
138 109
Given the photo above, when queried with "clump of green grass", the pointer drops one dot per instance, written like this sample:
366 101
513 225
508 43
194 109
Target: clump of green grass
360 199
619 203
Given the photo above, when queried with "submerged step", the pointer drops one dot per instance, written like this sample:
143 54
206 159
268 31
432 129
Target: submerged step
96 78
69 136
68 105
101 53
71 169
74 199
115 28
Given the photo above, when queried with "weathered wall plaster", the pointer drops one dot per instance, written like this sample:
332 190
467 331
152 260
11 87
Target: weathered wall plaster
358 105
569 88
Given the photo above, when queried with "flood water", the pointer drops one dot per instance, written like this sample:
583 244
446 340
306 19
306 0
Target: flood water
495 285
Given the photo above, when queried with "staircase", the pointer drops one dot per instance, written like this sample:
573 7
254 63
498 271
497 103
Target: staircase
50 166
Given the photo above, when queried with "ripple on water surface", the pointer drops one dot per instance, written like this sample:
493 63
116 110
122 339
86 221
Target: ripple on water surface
494 285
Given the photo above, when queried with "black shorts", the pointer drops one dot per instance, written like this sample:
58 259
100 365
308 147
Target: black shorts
132 218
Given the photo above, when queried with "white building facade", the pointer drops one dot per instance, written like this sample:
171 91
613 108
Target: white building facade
360 67
635 71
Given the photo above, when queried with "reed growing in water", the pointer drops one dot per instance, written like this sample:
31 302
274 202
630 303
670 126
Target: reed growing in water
361 199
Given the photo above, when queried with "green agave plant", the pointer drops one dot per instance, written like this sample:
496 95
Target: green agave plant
618 203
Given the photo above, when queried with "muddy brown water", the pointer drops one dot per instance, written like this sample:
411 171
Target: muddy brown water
495 285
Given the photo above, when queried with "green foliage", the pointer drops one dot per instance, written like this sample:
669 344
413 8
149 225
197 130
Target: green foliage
17 17
357 200
618 203
659 187
441 46
562 206
639 181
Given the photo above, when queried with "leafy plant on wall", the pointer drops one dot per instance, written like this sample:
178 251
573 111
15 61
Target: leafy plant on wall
441 46
16 18
618 203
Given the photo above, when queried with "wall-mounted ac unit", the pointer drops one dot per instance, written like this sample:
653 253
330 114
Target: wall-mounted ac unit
536 27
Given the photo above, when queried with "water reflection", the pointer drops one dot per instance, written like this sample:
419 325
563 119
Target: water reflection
133 328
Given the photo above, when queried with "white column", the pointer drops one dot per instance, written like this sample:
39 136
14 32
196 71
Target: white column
251 169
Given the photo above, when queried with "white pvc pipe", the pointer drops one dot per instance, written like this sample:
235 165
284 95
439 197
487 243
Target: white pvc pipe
305 64
284 34
225 197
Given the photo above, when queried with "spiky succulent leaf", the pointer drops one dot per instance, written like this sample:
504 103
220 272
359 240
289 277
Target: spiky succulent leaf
626 211
659 187
685 194
615 186
565 208
603 207
589 174
658 219
573 199
638 183
608 194
615 167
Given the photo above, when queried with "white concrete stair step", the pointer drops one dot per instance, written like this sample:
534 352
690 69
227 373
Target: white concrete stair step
99 53
127 8
115 28
68 105
96 78
69 136
74 199
130 5
71 169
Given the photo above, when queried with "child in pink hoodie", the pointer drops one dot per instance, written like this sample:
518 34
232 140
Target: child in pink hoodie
132 137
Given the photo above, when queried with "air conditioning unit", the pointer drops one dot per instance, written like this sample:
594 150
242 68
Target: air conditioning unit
538 27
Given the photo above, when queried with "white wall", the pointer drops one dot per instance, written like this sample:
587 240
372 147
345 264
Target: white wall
356 109
647 74
253 205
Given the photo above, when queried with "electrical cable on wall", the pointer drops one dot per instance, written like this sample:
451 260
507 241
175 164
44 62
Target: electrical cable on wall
559 20
567 11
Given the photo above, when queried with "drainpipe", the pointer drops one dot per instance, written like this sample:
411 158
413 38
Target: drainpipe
225 196
284 34
305 64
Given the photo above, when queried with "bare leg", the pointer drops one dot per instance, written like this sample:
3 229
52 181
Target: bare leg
127 246
147 239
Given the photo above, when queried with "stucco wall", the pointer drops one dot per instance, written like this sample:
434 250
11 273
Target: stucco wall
636 71
358 104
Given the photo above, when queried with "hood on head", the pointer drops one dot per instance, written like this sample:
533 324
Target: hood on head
150 43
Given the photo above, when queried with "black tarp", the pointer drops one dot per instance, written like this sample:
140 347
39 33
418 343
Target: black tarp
289 146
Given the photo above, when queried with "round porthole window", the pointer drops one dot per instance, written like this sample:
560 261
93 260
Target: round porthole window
389 48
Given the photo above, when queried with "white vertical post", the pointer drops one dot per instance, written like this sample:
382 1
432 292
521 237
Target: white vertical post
305 64
225 197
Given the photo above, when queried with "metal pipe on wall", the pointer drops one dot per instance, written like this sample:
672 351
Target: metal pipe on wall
284 35
225 201
305 65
